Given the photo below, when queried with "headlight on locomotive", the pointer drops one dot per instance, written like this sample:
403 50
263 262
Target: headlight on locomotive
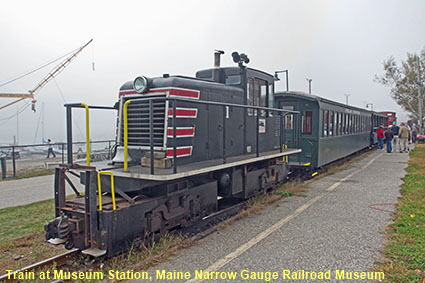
141 84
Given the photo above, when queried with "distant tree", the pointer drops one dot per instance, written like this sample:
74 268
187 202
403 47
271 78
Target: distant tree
404 81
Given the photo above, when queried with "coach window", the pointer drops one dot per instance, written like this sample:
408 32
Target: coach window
357 123
350 123
339 124
307 118
347 131
336 123
331 124
289 119
325 122
354 124
364 123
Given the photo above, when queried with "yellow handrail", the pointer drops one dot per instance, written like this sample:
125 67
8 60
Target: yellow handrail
87 134
99 189
125 134
285 158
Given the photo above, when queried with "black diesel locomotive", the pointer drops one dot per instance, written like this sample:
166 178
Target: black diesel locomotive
184 146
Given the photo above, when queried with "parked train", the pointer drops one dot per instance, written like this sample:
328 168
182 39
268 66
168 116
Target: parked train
391 117
187 145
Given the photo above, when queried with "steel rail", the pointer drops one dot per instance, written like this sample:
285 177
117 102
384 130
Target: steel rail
58 260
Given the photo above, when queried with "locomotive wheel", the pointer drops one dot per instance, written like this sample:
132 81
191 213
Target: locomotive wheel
69 244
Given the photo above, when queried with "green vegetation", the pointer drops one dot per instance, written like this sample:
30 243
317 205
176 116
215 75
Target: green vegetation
28 173
22 235
405 248
23 220
141 256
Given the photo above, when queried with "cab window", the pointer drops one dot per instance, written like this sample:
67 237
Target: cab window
233 79
256 95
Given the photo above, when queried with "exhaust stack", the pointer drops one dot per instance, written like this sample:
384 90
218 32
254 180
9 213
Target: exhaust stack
217 55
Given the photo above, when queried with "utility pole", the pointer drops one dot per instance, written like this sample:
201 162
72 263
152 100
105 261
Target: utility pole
276 77
346 98
371 106
420 98
309 85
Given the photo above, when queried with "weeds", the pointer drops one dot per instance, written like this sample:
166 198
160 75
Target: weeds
405 246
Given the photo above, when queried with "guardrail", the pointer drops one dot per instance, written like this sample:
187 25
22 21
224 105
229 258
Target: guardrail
14 158
174 100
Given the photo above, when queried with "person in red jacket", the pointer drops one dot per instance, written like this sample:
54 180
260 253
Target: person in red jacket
380 136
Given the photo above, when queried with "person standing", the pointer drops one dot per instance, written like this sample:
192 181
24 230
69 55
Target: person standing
380 136
403 135
396 142
389 138
50 149
414 133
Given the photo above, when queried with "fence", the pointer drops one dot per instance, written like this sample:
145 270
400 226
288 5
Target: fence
15 159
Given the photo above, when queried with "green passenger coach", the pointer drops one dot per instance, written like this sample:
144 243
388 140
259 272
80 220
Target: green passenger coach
325 130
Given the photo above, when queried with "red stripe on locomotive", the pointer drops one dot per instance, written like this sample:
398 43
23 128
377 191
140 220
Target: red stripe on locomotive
180 151
184 113
181 132
185 93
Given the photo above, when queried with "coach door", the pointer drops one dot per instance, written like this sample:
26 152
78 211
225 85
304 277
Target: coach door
290 127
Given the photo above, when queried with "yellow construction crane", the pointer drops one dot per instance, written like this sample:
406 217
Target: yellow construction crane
44 81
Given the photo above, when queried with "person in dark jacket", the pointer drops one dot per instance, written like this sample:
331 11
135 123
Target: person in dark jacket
396 142
389 139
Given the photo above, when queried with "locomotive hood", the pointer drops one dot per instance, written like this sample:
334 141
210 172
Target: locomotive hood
167 81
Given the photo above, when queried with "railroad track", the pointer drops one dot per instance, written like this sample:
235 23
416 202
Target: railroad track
58 260
197 231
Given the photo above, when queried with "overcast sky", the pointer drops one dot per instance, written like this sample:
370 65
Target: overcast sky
340 45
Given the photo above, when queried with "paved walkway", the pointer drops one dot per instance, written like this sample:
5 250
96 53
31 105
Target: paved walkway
29 190
332 232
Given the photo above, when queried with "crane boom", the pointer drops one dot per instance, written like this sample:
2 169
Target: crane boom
15 101
58 68
20 95
45 80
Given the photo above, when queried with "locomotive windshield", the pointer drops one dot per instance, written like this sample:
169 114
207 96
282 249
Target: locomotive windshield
233 80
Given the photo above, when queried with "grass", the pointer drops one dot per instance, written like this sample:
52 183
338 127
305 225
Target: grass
405 246
142 256
22 236
29 173
23 220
